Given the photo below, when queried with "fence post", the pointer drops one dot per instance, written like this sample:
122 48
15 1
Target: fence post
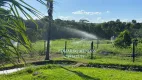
92 50
65 48
97 43
133 54
44 46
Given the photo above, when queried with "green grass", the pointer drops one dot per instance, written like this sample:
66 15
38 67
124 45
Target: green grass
116 56
103 60
106 61
53 72
104 45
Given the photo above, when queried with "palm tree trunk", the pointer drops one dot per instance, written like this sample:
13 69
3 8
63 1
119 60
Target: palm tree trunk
50 12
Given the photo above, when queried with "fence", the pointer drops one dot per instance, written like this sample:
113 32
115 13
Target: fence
79 49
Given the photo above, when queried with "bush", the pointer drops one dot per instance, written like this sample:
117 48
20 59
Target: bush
123 40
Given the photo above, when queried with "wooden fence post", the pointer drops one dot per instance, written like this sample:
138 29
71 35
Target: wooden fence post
44 46
133 54
92 50
65 48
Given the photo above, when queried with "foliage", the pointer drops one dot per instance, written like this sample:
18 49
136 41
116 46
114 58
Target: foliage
103 30
13 28
123 40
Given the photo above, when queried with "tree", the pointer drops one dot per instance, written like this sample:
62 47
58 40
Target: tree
123 40
118 21
83 21
134 21
50 12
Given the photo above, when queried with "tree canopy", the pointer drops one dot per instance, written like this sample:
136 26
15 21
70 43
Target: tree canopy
103 30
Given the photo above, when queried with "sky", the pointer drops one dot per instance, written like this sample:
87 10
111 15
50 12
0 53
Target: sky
96 11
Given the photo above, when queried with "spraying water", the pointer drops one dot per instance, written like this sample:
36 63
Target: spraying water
80 33
77 42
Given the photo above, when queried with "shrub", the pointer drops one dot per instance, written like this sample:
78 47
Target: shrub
123 40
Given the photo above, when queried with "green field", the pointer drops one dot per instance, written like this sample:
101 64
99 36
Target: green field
52 72
113 54
121 58
104 45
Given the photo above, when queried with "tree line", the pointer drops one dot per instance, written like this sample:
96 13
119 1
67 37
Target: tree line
103 30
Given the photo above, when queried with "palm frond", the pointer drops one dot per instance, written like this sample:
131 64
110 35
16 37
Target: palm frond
13 28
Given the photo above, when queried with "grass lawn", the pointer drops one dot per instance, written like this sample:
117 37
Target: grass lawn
117 56
53 72
105 60
104 45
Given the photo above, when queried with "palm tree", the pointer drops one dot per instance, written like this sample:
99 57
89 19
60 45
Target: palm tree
12 26
50 19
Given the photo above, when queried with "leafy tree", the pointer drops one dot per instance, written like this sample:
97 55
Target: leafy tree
123 40
134 21
83 21
102 30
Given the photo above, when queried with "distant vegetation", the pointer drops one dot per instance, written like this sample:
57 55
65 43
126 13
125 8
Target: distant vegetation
103 30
